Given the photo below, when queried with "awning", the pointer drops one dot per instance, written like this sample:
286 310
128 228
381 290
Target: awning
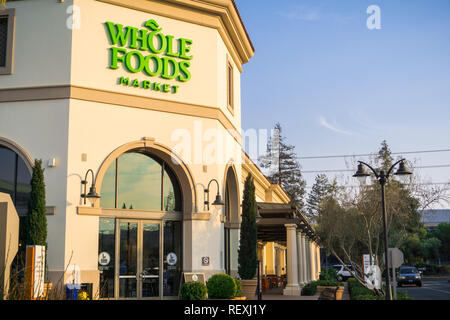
274 216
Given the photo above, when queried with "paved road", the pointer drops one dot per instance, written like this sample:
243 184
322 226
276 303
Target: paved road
430 290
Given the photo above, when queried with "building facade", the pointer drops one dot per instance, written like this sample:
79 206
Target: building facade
141 100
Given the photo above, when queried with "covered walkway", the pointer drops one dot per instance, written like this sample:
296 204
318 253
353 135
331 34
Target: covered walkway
286 225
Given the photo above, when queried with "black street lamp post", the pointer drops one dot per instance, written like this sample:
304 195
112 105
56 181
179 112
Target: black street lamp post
382 178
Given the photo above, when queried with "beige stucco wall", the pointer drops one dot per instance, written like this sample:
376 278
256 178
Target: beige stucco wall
40 128
42 52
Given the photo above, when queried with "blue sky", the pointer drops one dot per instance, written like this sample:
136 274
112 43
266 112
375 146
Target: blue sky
337 87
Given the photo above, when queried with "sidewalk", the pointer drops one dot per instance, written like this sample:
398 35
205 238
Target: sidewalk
346 294
277 294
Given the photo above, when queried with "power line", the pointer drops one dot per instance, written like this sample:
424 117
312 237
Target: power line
416 184
369 154
350 170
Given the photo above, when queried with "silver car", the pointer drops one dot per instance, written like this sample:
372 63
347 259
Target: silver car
343 274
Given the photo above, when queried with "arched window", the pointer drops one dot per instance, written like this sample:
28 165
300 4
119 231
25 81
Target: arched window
15 179
142 182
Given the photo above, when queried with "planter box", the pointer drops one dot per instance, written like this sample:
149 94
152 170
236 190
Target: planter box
249 288
325 291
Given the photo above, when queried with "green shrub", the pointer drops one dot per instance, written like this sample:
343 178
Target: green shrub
310 289
221 286
238 286
359 292
329 274
193 291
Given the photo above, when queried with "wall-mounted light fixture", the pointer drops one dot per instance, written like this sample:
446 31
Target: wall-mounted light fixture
92 195
218 201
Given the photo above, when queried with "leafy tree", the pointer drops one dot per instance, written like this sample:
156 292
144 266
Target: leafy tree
443 234
351 225
36 221
247 259
283 167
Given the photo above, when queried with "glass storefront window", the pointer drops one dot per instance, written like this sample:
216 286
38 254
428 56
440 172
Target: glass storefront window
172 257
139 181
108 192
106 259
15 179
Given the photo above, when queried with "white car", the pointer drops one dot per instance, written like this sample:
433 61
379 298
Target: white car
344 274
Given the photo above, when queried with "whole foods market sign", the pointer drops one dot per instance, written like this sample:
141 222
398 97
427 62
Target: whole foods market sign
148 52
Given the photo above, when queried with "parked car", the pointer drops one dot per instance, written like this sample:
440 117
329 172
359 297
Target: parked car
344 274
409 275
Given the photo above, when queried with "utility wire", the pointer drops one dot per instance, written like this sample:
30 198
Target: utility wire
350 170
416 184
369 154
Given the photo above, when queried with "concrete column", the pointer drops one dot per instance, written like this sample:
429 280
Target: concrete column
304 263
315 260
313 267
318 260
299 258
292 287
308 261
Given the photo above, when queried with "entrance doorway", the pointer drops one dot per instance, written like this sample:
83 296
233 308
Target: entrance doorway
140 236
140 259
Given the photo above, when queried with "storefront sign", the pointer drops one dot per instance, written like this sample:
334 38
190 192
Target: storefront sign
150 53
35 266
372 273
74 279
193 276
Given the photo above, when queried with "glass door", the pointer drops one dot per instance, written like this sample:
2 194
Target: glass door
150 262
138 263
127 260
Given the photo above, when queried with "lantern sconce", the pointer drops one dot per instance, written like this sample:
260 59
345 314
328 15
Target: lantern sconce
218 201
92 195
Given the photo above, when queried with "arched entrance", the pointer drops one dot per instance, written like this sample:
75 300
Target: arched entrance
15 175
231 227
140 258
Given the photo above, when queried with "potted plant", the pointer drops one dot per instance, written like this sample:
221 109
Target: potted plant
247 259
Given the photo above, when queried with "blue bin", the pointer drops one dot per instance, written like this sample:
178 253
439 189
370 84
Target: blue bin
71 292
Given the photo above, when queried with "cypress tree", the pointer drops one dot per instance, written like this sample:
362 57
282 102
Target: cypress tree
247 259
36 222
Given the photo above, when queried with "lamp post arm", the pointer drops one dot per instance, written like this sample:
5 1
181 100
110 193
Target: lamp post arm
392 167
85 183
217 182
373 170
